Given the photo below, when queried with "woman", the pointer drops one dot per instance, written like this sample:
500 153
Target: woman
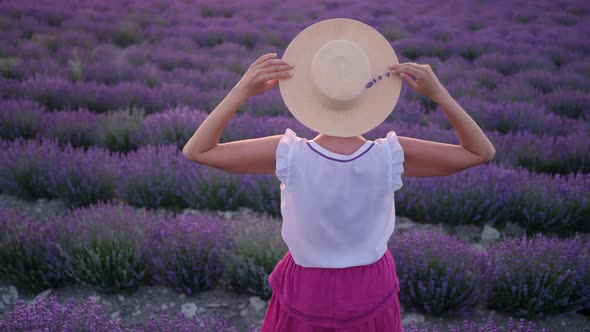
337 194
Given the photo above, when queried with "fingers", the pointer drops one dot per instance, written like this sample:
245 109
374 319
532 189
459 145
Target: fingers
264 58
409 68
271 62
268 69
409 80
279 67
271 83
270 66
276 75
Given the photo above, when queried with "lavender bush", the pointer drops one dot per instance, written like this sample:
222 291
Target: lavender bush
218 78
573 104
540 276
119 130
248 264
460 89
267 104
444 276
20 118
28 168
212 323
489 326
582 277
175 126
149 177
509 64
104 245
264 193
7 66
85 177
207 187
28 255
185 252
563 211
77 128
513 91
51 315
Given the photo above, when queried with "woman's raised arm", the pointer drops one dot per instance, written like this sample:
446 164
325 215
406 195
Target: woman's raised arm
255 155
427 158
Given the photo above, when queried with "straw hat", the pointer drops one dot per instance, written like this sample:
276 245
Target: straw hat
341 84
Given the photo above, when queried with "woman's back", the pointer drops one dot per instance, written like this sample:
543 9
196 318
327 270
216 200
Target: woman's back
338 210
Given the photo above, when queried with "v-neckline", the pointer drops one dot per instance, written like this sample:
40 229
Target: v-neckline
339 155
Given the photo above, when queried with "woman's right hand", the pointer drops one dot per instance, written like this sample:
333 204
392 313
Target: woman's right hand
421 78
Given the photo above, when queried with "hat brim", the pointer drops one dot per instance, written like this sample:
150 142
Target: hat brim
373 105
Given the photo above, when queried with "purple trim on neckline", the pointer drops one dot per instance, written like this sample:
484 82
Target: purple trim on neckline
343 161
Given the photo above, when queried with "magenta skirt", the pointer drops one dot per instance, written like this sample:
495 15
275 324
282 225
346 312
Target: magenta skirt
359 298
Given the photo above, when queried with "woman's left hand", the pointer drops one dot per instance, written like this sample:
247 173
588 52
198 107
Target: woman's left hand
421 78
264 74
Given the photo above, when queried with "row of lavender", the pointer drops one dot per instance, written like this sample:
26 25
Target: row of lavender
114 246
51 315
179 28
107 66
160 176
185 40
563 105
511 109
558 149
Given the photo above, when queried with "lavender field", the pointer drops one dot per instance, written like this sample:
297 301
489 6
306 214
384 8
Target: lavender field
97 99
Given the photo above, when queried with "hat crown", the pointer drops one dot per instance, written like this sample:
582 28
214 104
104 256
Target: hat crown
340 71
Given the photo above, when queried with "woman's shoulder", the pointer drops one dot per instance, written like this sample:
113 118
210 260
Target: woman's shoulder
390 139
290 137
287 141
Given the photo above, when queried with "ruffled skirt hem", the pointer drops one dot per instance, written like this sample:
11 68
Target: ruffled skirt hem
281 318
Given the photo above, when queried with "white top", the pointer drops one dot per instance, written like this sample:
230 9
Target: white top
338 210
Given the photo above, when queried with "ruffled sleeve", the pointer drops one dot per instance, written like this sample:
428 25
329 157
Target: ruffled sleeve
396 160
283 155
